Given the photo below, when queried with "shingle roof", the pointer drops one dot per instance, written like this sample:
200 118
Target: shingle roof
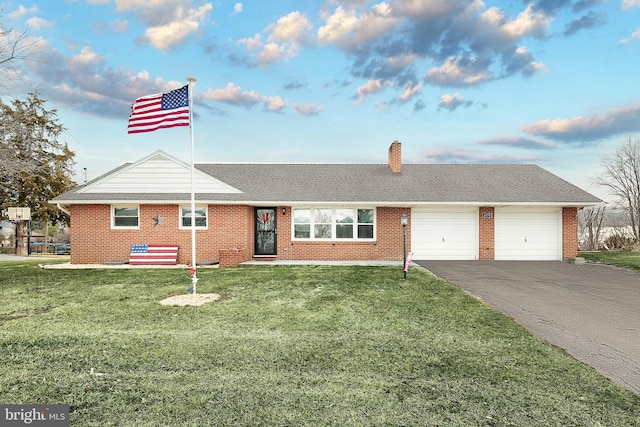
372 183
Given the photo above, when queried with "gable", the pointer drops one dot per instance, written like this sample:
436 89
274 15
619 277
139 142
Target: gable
157 173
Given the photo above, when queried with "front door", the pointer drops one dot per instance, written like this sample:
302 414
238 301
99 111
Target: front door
265 235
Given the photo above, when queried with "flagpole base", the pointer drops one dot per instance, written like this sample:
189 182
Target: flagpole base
194 281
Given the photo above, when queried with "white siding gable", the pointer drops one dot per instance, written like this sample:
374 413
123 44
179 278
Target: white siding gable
157 173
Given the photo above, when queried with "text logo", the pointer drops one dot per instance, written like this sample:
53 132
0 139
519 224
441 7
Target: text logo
34 415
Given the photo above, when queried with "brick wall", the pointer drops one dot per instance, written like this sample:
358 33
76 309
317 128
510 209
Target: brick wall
229 235
569 233
487 233
231 230
93 240
388 244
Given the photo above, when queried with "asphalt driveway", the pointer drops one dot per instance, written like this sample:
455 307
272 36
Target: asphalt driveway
591 311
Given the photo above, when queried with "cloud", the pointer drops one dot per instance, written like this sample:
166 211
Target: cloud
348 30
234 95
521 60
585 4
369 88
290 29
451 102
169 22
462 43
419 105
119 26
307 109
294 85
634 36
518 142
454 43
583 129
590 20
237 8
551 6
630 4
410 90
84 82
531 22
284 40
23 11
38 23
458 72
469 157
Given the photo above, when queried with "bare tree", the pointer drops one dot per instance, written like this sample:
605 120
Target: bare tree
12 46
591 222
622 176
15 48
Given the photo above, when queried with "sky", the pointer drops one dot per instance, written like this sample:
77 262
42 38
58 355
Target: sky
547 82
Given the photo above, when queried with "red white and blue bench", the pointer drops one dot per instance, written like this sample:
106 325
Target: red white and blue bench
153 254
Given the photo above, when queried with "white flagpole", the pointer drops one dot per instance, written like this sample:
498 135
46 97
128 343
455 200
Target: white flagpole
194 277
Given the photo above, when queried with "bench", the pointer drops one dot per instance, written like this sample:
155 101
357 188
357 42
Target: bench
153 254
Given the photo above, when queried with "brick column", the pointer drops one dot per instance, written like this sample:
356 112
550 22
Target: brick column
487 233
569 233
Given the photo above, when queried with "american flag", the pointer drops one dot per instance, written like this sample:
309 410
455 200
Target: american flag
146 254
161 110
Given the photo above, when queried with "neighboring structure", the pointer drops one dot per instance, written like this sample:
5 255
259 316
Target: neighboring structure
327 211
7 234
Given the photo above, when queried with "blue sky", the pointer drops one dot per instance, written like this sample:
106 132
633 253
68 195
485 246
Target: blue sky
550 82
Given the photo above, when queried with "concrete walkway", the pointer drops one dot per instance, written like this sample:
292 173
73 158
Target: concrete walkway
67 265
591 311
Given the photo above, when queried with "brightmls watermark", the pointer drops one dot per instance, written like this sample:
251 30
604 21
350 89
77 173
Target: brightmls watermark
34 415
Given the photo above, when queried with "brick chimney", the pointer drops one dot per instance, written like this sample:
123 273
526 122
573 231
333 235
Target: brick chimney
395 157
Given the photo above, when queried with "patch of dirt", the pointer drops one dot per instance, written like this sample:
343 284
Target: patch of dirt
190 300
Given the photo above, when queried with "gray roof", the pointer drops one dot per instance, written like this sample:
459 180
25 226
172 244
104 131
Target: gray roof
372 183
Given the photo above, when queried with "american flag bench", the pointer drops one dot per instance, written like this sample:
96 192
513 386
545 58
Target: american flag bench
153 254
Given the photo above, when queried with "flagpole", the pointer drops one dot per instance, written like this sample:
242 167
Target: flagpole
194 277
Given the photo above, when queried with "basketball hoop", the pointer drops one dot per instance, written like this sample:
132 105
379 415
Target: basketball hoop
19 214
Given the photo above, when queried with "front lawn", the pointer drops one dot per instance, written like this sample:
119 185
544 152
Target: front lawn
627 259
286 346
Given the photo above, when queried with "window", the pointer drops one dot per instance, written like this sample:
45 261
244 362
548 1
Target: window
200 214
322 223
344 223
302 223
365 223
125 217
333 224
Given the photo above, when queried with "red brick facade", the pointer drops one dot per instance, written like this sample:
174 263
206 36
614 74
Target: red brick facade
93 240
229 238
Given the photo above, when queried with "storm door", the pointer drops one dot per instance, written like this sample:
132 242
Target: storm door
265 234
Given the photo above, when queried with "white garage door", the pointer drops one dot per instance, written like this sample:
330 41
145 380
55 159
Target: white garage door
444 233
528 234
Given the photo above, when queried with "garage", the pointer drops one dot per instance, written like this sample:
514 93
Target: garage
444 233
528 234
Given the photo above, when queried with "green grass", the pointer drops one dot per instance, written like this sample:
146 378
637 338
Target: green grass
286 346
627 259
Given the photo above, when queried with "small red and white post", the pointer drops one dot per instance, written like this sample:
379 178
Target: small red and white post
407 263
